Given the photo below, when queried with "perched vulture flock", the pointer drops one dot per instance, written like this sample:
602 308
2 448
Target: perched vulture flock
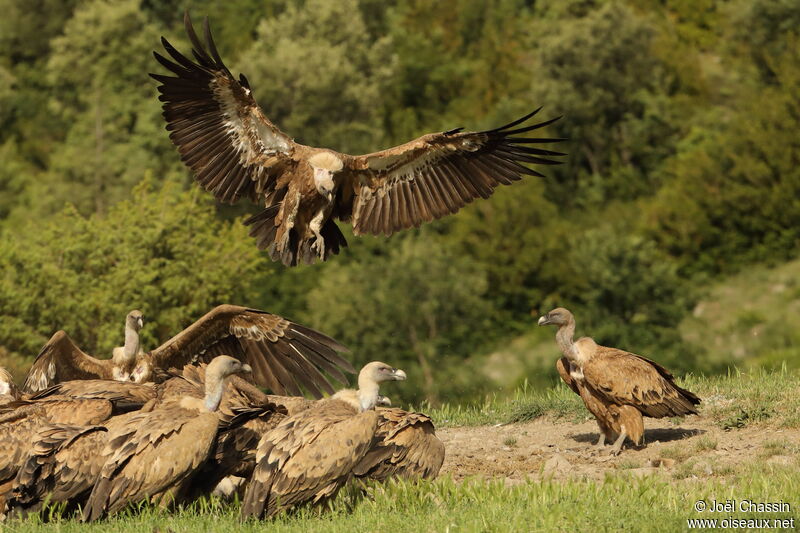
191 416
96 435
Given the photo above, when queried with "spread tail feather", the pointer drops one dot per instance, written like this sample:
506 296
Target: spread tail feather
264 229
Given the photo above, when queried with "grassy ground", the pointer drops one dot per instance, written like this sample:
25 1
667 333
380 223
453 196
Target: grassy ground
733 401
620 501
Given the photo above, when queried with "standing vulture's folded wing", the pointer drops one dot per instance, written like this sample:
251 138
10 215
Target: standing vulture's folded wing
624 378
439 173
284 355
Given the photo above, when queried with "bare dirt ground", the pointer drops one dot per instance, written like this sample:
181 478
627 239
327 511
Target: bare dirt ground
545 448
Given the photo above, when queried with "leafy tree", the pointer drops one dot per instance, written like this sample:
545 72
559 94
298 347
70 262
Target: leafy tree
319 77
420 307
115 132
162 251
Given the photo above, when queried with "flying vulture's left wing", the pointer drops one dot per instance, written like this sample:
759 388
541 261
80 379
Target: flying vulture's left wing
219 129
284 355
439 173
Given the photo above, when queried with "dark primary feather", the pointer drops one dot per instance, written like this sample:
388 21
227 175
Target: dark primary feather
438 174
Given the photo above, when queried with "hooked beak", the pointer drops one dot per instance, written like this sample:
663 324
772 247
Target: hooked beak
399 375
140 321
544 320
246 368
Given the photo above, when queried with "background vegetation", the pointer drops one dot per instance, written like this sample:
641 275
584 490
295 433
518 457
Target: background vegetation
669 231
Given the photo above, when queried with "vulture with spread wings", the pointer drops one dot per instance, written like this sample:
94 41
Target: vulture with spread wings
284 355
235 151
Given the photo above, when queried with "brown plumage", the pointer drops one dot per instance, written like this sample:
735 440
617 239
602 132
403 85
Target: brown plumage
20 421
235 151
156 453
286 357
406 446
310 455
62 360
617 387
8 389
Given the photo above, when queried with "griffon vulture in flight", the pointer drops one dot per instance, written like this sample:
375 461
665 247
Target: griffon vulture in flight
61 359
617 387
156 453
312 454
235 151
284 355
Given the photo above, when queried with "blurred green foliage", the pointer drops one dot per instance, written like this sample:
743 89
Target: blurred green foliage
682 169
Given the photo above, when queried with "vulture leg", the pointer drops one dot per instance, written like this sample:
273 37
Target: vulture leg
602 440
618 443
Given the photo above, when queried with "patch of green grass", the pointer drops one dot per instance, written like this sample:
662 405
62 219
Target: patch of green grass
510 442
628 464
679 453
732 401
652 503
705 443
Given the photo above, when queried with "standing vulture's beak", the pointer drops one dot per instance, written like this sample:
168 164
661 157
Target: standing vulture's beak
246 368
544 320
140 320
398 374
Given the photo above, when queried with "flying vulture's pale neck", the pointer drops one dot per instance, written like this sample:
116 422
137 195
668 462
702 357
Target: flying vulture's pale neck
215 385
564 337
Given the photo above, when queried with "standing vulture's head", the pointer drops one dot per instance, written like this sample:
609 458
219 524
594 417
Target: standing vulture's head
377 372
325 165
223 366
135 320
557 317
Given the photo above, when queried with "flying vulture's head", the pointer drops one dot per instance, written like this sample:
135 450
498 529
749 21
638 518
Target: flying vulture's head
325 165
557 317
135 320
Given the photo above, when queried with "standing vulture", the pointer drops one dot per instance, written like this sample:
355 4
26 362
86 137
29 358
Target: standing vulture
61 359
234 151
617 387
157 453
312 454
284 355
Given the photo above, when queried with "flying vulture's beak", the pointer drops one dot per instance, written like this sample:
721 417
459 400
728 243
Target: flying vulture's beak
399 375
543 320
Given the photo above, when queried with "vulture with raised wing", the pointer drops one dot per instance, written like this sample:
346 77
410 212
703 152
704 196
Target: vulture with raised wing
62 360
618 387
235 151
284 355
155 454
406 446
310 455
8 389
